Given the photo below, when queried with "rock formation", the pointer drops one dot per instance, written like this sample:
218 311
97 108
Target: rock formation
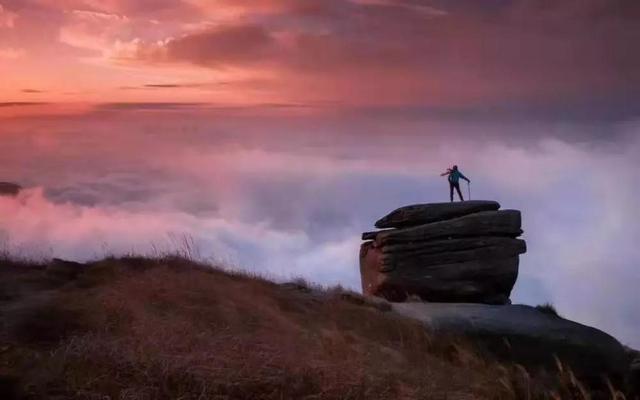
468 252
444 252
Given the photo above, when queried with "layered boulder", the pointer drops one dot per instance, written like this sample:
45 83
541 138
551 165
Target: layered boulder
444 252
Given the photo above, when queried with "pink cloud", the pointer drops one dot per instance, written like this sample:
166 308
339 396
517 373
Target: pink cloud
92 30
7 18
146 8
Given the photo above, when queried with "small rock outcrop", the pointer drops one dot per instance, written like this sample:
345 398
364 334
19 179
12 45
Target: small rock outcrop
9 189
465 252
634 370
526 335
63 269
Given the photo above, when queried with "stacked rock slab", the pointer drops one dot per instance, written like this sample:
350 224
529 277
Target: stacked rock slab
465 252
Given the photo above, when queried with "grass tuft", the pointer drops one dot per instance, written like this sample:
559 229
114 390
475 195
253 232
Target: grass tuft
548 308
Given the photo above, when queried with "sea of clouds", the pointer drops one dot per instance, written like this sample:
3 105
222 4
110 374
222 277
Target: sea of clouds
289 197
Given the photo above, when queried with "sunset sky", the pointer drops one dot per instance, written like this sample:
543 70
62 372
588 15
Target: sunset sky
273 132
448 56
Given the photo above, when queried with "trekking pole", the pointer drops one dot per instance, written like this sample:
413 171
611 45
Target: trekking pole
469 189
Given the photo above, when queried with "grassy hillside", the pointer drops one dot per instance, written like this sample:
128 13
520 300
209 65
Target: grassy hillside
136 328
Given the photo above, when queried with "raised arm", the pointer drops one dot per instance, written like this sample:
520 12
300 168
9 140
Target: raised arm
446 173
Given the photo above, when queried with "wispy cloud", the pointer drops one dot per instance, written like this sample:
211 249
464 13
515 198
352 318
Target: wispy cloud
21 104
12 53
204 109
155 106
153 86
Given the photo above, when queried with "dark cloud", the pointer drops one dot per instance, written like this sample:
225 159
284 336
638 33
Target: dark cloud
556 60
21 104
166 85
597 111
164 106
201 109
152 86
140 7
32 91
223 45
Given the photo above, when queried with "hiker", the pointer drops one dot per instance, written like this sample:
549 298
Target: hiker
454 180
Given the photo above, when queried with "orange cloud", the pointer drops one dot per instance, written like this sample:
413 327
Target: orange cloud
10 53
92 30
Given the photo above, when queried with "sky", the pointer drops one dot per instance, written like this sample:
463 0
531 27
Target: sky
271 133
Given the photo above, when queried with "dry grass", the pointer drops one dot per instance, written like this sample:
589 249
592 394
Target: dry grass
168 328
548 308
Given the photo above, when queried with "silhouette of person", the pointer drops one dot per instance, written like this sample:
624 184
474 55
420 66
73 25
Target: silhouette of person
454 181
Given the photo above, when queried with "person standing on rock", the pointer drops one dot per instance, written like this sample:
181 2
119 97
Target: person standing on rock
454 181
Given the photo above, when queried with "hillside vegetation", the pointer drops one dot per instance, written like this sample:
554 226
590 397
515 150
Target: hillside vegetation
170 328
